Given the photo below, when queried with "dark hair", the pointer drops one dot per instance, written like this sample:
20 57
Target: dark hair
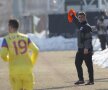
14 23
102 18
81 13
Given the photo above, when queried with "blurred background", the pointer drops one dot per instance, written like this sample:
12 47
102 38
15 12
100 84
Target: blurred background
49 16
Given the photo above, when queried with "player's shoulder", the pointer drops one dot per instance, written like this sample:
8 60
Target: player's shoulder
23 35
6 37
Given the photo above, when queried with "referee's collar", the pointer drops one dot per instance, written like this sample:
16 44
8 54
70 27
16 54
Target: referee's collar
84 22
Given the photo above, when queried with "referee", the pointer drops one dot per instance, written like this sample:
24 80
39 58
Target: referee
85 49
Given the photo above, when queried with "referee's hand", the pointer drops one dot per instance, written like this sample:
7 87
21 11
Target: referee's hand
71 14
86 51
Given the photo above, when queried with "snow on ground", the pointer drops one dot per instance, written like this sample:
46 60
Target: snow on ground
54 43
60 43
101 58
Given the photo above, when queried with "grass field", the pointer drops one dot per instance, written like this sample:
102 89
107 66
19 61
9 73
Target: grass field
56 71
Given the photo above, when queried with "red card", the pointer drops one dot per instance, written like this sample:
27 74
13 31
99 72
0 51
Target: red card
70 18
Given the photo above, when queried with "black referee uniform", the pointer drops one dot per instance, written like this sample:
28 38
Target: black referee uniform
84 38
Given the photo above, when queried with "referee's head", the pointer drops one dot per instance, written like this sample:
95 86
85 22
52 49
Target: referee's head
82 16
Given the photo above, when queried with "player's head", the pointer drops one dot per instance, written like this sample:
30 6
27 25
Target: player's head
13 25
81 16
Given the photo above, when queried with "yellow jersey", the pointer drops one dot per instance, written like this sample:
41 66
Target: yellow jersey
20 52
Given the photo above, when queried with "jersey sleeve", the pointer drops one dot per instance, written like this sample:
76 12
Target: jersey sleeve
29 41
4 51
34 50
4 43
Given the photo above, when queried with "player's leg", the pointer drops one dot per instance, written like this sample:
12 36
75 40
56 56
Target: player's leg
28 82
16 83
